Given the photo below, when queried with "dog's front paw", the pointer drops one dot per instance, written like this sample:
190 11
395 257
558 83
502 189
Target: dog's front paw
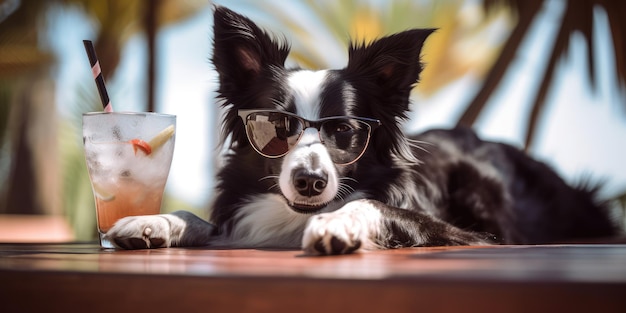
343 231
140 232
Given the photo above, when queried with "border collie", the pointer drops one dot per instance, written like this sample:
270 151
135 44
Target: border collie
317 160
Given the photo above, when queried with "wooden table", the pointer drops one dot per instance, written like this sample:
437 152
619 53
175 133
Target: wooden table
80 277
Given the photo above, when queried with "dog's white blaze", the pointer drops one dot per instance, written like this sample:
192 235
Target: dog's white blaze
348 94
267 221
306 87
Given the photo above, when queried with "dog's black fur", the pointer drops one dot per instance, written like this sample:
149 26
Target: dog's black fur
442 187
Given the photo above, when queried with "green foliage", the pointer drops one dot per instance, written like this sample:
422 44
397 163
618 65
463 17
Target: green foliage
77 195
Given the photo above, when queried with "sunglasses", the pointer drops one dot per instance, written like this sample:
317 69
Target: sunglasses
274 133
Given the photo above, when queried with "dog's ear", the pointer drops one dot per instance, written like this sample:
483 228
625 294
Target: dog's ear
242 51
387 69
392 62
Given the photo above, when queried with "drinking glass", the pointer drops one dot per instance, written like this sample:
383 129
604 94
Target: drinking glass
128 158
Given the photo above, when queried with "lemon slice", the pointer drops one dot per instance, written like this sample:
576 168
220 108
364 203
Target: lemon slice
103 194
161 137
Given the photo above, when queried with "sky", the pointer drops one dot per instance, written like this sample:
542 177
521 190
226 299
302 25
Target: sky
582 132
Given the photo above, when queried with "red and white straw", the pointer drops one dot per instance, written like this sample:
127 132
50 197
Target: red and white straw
97 75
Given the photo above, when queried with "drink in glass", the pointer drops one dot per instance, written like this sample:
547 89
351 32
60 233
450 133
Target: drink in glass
128 158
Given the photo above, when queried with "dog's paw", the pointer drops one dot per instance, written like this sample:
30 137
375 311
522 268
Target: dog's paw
140 232
343 231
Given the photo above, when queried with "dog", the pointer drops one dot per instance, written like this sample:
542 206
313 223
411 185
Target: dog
317 161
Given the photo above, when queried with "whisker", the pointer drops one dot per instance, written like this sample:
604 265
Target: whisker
349 178
344 190
275 177
272 187
339 195
417 144
347 187
420 142
269 177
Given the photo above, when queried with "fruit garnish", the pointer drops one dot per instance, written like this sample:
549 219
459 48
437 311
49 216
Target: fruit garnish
141 145
161 137
155 142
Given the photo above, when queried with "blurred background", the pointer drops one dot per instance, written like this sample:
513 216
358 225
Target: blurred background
547 76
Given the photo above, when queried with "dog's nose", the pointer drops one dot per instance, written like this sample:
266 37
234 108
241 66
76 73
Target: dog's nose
309 183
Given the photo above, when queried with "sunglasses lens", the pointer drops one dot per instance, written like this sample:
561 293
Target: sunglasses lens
272 133
345 138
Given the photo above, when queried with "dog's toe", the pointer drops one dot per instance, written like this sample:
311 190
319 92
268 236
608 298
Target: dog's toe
337 246
334 246
356 244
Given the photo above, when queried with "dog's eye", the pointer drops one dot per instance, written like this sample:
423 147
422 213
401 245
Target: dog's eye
343 127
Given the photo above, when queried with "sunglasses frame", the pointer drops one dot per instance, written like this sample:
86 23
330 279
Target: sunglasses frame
371 123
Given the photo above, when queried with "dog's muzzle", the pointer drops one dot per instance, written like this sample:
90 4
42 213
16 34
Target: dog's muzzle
309 183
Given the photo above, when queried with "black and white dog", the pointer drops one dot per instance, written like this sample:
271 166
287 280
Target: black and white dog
317 160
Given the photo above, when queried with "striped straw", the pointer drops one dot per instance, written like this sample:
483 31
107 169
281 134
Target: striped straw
97 75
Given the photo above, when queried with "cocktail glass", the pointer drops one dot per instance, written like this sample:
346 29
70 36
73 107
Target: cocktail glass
128 158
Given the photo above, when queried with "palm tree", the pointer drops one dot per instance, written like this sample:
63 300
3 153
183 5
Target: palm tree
578 17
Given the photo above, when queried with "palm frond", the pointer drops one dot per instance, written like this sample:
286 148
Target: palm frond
323 29
526 14
578 17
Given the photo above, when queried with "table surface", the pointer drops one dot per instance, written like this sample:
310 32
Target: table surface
549 278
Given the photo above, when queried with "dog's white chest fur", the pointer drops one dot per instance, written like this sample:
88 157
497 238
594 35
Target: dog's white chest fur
267 221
